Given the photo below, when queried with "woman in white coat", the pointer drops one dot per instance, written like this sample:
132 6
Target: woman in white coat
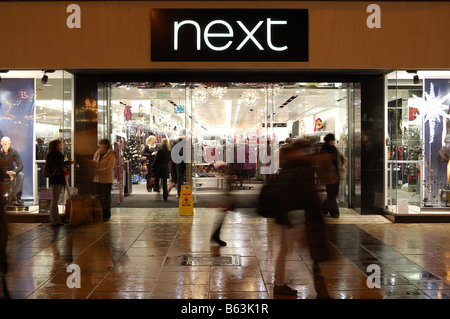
104 158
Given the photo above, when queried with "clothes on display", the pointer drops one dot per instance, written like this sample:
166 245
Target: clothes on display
127 114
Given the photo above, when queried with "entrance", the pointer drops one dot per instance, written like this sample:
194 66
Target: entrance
218 118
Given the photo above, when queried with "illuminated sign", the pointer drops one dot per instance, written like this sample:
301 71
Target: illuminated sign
229 35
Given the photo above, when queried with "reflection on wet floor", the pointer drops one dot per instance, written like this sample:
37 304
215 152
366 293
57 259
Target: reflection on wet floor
136 255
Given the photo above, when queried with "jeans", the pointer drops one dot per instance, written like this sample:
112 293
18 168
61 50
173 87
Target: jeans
330 205
54 210
104 196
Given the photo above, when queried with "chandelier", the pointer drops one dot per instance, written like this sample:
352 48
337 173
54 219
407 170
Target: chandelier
200 94
250 97
217 91
276 90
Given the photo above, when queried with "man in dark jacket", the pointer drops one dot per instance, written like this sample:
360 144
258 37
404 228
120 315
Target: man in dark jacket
9 156
330 205
161 167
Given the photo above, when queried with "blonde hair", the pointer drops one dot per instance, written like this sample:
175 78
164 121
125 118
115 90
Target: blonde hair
165 143
151 137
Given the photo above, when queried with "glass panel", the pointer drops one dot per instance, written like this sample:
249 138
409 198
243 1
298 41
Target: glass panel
354 149
67 122
135 111
53 119
404 145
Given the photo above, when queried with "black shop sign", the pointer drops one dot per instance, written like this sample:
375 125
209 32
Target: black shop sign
229 35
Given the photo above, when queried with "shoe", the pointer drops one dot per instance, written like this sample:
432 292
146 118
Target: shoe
218 240
60 224
165 199
334 215
106 219
284 290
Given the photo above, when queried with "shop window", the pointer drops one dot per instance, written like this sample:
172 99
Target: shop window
417 170
36 111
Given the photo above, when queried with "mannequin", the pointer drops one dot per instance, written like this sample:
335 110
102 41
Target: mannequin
9 156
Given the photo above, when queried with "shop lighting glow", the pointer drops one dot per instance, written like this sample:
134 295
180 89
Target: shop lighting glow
200 94
250 97
217 91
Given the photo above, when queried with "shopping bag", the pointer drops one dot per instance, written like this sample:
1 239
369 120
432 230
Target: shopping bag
81 212
97 211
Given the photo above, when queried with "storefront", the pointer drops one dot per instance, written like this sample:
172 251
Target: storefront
194 67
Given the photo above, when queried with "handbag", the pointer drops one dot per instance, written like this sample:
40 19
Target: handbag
48 172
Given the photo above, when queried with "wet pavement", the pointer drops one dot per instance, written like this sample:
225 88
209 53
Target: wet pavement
137 255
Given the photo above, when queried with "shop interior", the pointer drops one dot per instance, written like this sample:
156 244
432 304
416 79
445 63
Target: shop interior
217 115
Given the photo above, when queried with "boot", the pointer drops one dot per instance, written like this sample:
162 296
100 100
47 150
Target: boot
19 200
216 237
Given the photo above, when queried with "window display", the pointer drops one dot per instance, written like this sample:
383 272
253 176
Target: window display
418 172
34 111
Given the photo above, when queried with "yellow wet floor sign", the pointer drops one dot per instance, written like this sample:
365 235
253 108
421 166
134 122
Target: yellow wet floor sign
186 205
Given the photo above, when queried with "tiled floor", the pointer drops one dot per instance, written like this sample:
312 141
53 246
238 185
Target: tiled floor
136 254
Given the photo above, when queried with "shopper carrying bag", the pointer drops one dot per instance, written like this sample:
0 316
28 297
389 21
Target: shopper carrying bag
54 162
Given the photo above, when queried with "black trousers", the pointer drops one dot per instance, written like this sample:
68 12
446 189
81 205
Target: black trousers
330 205
164 185
181 176
104 196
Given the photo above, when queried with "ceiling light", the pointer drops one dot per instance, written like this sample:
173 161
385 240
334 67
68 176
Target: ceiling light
3 71
250 97
217 91
44 79
200 94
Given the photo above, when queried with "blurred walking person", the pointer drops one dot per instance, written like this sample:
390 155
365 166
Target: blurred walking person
161 167
4 184
104 158
54 161
294 189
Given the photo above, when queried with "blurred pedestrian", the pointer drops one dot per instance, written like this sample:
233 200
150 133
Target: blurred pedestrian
161 167
329 176
4 187
104 158
54 161
292 189
284 150
149 152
